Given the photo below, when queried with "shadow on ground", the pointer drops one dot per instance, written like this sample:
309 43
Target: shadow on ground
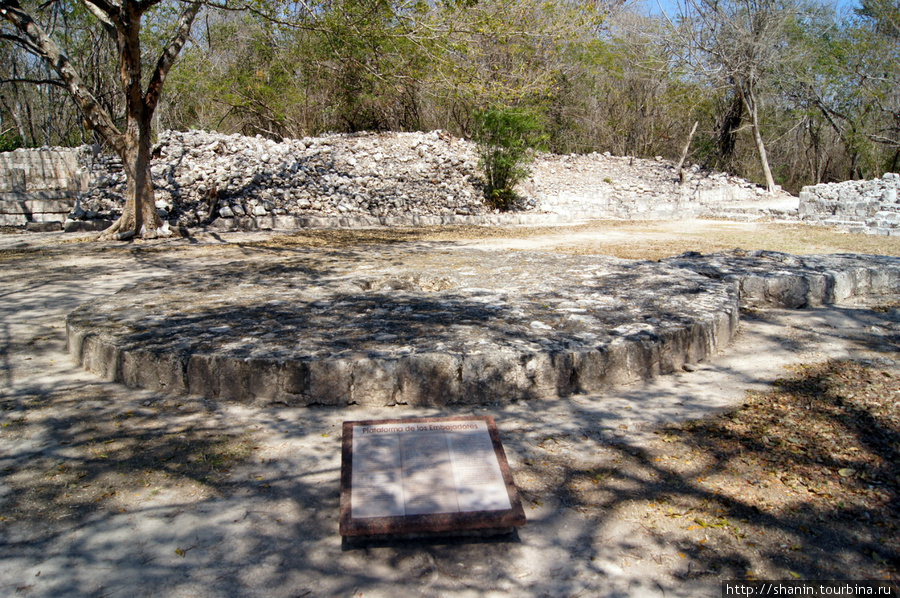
108 491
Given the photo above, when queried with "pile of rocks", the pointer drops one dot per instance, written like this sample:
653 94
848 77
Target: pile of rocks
367 179
201 176
871 207
606 186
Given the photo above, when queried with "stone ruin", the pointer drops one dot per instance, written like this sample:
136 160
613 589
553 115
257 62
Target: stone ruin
388 326
233 182
871 207
391 326
39 186
238 182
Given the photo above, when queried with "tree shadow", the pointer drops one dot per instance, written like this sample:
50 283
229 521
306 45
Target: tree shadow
247 497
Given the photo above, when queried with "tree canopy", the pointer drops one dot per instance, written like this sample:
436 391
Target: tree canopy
786 92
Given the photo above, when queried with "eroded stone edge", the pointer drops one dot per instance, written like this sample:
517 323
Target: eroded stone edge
435 379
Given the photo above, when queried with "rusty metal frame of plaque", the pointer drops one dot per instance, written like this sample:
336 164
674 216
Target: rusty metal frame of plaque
426 475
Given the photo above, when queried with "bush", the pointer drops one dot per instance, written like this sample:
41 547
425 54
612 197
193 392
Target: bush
10 142
505 137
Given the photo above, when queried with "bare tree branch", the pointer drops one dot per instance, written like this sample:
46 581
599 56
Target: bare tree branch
20 41
35 81
102 10
885 140
167 58
57 60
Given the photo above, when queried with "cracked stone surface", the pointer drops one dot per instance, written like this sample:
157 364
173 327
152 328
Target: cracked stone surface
458 326
388 327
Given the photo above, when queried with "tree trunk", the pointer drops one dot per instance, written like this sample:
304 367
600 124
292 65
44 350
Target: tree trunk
684 153
139 217
731 122
752 108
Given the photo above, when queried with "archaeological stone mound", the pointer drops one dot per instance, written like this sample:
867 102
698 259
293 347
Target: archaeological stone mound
446 326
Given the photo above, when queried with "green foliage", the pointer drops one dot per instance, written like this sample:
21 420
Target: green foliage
10 142
506 137
573 76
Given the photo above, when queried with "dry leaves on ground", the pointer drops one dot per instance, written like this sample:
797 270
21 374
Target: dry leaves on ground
803 481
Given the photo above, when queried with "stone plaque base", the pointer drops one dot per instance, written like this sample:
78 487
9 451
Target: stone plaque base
426 476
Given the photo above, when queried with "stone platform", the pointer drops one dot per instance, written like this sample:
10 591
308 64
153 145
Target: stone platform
443 326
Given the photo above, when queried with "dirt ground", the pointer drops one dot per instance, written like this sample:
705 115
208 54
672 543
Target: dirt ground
777 459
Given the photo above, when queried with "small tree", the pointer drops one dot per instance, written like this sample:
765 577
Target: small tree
505 137
131 139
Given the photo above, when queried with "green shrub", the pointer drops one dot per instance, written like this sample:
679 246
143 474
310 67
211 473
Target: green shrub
10 142
505 138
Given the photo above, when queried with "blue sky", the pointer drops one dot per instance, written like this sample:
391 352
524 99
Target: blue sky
669 6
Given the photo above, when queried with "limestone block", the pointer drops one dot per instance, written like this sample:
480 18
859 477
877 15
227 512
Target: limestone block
17 182
725 327
820 288
429 379
882 282
44 226
265 379
294 383
374 382
541 376
675 342
562 373
75 335
622 356
593 370
843 286
862 281
101 357
234 376
753 290
154 371
86 226
203 375
786 290
329 381
494 377
699 344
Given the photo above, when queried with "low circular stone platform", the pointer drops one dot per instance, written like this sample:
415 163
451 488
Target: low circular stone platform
384 327
775 279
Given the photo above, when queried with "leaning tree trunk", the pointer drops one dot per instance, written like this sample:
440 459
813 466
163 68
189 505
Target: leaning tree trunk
763 156
752 108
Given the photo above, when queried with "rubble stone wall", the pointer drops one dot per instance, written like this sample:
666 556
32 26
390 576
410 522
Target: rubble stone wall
251 182
605 186
39 185
392 179
230 182
871 207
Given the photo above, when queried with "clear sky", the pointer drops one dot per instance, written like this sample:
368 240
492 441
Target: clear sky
670 6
